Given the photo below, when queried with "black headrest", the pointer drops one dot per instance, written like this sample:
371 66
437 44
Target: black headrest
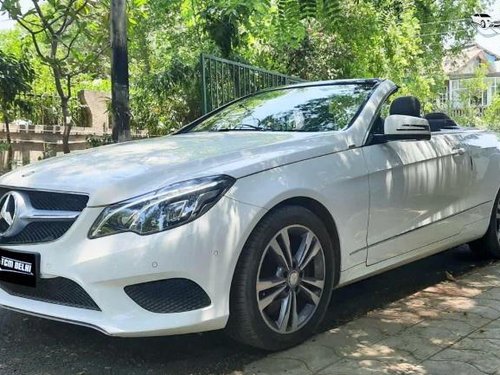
439 120
405 105
438 116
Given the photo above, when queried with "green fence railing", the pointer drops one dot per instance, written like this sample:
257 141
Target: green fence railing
224 80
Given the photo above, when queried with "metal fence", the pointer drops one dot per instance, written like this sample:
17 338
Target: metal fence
224 80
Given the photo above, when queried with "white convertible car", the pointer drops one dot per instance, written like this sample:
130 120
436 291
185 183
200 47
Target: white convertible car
249 217
484 20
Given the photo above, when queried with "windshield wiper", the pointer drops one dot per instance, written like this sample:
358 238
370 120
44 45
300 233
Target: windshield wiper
241 127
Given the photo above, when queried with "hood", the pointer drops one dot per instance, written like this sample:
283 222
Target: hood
117 172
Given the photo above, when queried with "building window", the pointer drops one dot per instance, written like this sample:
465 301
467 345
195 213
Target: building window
458 90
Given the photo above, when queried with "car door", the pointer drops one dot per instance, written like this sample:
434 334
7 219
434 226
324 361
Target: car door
416 190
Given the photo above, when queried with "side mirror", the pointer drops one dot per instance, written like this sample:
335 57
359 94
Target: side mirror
400 127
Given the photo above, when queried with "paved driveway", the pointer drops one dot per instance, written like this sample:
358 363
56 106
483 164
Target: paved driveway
35 346
449 328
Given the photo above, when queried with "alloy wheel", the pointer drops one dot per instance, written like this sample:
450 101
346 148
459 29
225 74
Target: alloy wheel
290 279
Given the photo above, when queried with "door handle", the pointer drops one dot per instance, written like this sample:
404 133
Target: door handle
458 151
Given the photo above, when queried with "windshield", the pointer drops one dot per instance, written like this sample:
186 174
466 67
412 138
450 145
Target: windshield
304 109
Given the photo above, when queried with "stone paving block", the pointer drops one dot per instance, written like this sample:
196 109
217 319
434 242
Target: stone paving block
371 367
489 306
447 367
480 281
484 309
494 324
492 294
420 303
396 316
480 353
275 366
457 328
473 319
372 329
429 337
450 328
420 347
314 355
454 289
489 271
432 305
491 331
450 303
349 338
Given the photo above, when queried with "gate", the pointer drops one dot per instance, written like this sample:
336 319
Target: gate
224 80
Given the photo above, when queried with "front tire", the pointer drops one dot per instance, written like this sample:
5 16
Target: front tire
283 281
489 245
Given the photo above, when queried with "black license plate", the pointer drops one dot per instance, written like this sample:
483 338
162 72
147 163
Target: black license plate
19 268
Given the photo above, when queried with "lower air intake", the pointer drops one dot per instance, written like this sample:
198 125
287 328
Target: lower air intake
168 296
58 290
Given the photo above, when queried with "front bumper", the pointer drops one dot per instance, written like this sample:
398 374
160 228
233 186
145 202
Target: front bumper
204 251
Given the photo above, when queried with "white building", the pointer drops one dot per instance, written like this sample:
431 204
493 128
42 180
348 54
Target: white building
460 68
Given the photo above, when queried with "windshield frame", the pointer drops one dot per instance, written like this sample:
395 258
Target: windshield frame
376 82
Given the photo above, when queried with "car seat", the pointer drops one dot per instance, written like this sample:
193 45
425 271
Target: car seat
439 121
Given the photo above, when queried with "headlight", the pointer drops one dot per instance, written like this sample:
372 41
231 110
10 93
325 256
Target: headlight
163 209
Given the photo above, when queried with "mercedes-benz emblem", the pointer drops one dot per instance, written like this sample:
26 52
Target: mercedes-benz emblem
9 205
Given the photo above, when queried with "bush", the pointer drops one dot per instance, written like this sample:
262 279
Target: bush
492 114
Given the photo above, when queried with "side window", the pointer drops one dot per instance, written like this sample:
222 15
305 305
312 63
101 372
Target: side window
378 125
377 128
384 112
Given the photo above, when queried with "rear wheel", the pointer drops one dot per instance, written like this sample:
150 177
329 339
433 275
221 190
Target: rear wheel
283 281
489 244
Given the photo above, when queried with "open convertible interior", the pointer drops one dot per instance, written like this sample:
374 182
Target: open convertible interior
410 106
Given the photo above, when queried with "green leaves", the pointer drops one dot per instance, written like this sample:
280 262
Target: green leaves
314 39
67 35
492 114
16 76
327 10
13 7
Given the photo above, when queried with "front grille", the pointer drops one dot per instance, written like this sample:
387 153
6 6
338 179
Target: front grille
45 231
46 200
58 290
168 296
38 232
57 201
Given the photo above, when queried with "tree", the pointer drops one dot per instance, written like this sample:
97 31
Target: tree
472 95
66 38
492 114
119 71
314 39
15 78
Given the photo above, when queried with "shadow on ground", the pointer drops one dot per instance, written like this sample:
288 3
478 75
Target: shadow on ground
35 346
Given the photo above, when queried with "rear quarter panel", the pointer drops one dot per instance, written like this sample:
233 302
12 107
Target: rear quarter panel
484 150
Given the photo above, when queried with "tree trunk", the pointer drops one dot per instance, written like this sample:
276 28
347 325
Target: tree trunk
64 106
10 152
67 124
119 72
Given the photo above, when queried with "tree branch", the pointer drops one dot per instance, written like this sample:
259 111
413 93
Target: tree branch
65 17
24 26
93 60
68 22
42 16
35 42
68 85
70 45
